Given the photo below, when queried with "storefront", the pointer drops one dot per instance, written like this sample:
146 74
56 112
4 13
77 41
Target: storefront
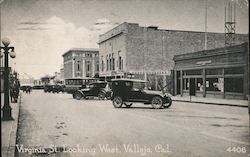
216 73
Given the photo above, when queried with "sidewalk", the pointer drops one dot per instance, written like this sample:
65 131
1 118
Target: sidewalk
9 131
229 102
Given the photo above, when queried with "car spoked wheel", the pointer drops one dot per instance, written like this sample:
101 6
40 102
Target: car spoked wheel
128 104
117 102
157 102
168 104
101 96
78 96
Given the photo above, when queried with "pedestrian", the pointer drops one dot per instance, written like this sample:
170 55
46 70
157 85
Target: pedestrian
16 92
29 89
11 94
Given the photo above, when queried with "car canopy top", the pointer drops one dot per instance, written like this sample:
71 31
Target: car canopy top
130 80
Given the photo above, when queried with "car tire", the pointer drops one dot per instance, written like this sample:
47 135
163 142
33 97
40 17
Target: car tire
157 102
128 104
167 105
101 96
78 96
117 102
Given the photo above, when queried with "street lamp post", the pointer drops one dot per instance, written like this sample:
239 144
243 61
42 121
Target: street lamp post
7 108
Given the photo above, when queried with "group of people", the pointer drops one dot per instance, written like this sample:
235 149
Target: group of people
14 91
27 89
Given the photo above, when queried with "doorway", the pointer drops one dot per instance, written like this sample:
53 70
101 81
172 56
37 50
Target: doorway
192 87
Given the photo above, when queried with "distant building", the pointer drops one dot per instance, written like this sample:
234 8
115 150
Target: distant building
216 73
62 73
130 50
81 62
46 80
37 82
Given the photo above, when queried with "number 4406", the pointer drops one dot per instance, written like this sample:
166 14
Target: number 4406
237 149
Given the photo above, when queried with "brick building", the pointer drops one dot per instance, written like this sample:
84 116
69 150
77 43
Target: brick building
130 50
216 73
80 62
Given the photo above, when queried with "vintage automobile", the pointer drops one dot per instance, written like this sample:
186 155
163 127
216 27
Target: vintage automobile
98 89
54 88
127 91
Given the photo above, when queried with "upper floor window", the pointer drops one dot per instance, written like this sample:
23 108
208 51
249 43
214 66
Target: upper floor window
113 61
88 66
107 63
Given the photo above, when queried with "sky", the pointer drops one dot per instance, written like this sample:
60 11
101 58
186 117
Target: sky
42 30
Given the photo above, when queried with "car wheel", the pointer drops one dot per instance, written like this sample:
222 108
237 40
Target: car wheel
101 96
108 97
78 95
168 104
128 104
117 102
157 102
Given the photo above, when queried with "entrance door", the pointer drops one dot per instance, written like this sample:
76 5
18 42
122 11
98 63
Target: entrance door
178 86
192 87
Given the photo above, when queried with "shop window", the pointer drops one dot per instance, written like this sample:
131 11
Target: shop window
215 84
234 70
199 84
214 72
234 85
186 84
193 72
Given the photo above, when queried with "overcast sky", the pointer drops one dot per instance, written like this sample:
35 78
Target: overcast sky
42 30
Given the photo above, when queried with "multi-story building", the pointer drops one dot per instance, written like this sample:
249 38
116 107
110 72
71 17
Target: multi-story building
130 50
81 62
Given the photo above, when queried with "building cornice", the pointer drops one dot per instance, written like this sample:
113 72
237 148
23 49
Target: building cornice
211 52
81 50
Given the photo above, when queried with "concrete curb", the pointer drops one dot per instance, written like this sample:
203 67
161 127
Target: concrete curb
211 103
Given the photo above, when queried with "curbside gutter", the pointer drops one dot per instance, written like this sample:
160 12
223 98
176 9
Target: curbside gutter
212 103
11 150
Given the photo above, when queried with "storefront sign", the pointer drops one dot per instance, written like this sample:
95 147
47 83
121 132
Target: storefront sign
204 62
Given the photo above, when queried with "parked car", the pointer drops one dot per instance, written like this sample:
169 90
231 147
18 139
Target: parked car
127 91
54 88
47 88
38 87
97 89
58 88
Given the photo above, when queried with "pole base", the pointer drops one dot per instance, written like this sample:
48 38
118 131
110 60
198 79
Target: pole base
7 118
7 113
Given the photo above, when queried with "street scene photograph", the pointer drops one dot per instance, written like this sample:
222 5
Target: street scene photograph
129 78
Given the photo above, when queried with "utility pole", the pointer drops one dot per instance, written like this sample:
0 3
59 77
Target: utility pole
205 45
